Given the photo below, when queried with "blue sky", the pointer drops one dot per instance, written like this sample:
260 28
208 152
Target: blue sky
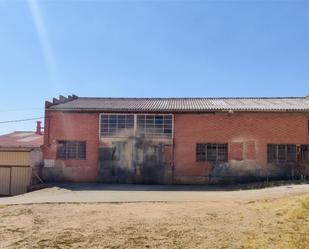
148 49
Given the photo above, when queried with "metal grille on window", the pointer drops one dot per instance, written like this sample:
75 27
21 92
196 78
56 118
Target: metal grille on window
282 153
201 152
222 153
61 150
304 153
71 150
291 153
154 125
272 152
212 152
117 125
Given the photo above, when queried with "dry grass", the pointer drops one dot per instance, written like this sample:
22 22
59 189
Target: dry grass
287 229
279 224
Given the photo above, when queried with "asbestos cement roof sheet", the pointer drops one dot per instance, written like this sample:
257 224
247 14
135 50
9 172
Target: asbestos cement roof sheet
184 104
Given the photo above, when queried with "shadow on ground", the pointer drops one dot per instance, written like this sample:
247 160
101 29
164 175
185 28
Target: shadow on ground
136 187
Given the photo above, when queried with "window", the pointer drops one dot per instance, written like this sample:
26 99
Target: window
71 150
287 153
154 125
282 153
117 125
140 125
211 152
304 153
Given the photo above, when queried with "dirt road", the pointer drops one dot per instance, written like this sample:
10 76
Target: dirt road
157 217
94 193
268 223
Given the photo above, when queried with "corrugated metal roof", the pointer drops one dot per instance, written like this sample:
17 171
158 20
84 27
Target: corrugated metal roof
21 139
184 104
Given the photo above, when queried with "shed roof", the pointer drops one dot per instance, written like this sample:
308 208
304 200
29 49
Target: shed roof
180 104
21 139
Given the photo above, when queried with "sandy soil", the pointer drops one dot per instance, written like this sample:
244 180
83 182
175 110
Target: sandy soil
268 223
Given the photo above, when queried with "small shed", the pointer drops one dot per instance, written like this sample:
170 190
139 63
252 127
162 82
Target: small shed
20 161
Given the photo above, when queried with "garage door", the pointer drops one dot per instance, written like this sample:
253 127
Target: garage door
14 180
5 173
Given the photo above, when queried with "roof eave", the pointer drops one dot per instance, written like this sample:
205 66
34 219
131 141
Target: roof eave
172 110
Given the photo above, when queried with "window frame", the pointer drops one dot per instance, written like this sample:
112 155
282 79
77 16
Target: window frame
116 114
299 152
217 153
304 154
153 135
135 133
78 156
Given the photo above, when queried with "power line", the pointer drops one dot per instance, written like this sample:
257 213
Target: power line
20 109
20 120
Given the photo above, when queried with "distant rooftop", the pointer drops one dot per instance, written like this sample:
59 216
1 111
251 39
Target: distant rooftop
21 139
74 103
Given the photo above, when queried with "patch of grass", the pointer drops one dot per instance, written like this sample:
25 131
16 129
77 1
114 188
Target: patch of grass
20 212
288 230
15 230
65 240
301 211
18 242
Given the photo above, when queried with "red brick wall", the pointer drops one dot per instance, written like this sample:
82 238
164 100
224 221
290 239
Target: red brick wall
247 135
73 127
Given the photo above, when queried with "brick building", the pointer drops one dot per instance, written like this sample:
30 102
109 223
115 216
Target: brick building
175 140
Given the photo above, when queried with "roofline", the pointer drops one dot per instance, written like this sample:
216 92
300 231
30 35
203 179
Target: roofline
19 148
78 110
63 100
188 98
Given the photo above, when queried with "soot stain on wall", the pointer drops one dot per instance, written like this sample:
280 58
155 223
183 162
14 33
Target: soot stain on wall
136 160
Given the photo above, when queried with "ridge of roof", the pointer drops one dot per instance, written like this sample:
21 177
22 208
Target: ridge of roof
187 98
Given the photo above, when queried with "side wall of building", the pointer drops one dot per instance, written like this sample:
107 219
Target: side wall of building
247 135
68 126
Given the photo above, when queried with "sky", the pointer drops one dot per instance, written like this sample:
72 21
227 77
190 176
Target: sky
145 48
